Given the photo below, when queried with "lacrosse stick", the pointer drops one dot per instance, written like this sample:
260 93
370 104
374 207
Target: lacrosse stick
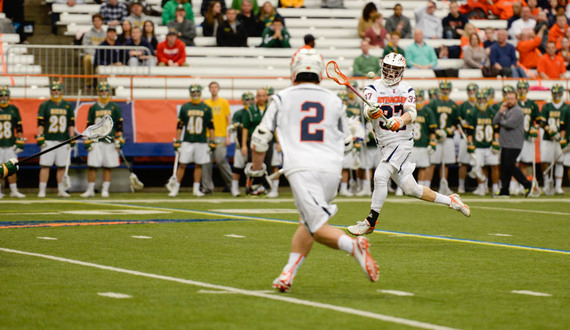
65 179
136 184
100 129
549 191
334 73
173 180
476 170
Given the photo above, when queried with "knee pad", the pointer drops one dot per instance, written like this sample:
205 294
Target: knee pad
411 188
383 173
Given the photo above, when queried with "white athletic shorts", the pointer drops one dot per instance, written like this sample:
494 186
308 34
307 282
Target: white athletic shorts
463 156
58 156
396 154
485 157
239 160
276 157
566 158
527 152
103 155
420 156
6 153
313 192
448 148
195 152
350 160
549 151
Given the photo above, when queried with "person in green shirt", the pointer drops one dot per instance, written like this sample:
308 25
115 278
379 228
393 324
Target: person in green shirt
56 123
11 141
103 153
169 10
236 4
424 139
463 111
392 46
275 35
365 62
194 120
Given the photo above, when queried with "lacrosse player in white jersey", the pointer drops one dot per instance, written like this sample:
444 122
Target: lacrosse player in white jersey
396 100
312 130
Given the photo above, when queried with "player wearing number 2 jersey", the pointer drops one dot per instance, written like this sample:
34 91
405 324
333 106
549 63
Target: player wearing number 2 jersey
56 123
396 100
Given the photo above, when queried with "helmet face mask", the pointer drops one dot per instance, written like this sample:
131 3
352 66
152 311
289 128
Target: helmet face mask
420 98
393 66
472 91
195 92
56 91
4 96
522 89
445 89
247 99
481 101
557 93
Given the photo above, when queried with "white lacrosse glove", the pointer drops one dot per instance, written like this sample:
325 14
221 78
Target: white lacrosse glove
258 182
441 134
394 123
375 112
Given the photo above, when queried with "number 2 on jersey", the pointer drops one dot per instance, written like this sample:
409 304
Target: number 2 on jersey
318 134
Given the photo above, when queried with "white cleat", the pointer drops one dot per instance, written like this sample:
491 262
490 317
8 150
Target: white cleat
63 194
42 194
17 194
480 191
361 228
399 192
559 191
235 192
444 188
87 194
104 194
361 252
1 195
364 192
284 281
196 193
458 205
345 193
173 193
461 190
273 194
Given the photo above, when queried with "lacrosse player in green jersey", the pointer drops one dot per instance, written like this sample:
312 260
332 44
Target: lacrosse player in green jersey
445 112
552 120
103 153
424 139
11 141
196 117
464 111
483 141
531 117
564 123
56 123
490 92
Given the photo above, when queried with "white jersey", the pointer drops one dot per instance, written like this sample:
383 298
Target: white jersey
392 99
311 126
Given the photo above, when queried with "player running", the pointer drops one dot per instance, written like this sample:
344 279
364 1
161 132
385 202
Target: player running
397 101
11 141
56 123
312 132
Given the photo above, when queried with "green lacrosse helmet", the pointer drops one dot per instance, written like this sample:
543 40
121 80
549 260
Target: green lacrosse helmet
343 96
56 85
4 91
522 84
508 89
103 86
445 84
472 87
195 88
489 91
420 93
270 91
247 96
354 84
557 88
432 92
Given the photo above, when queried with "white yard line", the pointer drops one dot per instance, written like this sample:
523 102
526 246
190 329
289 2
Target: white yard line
142 237
498 234
48 238
234 236
397 293
532 293
114 295
257 211
279 297
519 210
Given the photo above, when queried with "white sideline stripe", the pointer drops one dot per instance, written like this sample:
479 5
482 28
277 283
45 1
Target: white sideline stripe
31 213
397 293
234 236
532 293
114 295
519 210
498 234
228 292
256 211
142 237
347 310
48 238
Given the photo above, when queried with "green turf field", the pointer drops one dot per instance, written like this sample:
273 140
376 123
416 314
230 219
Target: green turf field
144 261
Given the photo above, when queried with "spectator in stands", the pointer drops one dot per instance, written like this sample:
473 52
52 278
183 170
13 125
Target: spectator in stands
376 34
454 23
399 22
170 8
420 55
138 57
540 21
508 10
231 33
503 57
185 27
249 19
171 52
148 34
534 9
238 5
268 13
109 55
428 22
365 62
558 30
551 65
93 37
475 56
365 21
465 39
55 16
276 35
565 52
392 46
206 4
127 28
137 16
525 23
114 12
489 39
147 9
551 11
212 19
309 40
528 47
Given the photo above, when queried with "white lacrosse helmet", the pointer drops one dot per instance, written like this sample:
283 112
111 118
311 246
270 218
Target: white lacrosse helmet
307 61
393 66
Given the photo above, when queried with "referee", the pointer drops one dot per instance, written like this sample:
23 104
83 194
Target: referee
510 117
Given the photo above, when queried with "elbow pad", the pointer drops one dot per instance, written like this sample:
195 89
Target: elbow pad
41 121
180 125
412 111
260 138
19 128
119 127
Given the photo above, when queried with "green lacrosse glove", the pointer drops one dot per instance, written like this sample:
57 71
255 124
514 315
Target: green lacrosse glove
357 144
119 142
89 146
470 148
212 146
554 135
449 131
563 143
8 168
495 148
532 134
176 144
41 140
431 146
72 143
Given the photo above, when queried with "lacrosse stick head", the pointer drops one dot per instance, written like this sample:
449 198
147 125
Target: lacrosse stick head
136 184
100 129
66 182
334 73
171 183
307 61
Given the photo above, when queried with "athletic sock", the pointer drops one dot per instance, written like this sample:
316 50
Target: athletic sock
462 184
235 184
275 184
442 199
60 187
495 187
295 261
13 187
345 243
91 186
513 185
343 186
372 218
43 186
195 186
366 185
558 183
1 187
105 186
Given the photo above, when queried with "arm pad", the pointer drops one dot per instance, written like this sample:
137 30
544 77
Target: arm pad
260 138
180 125
119 127
41 121
19 128
412 111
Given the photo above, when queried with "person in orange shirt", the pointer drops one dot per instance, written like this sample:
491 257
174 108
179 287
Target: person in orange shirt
528 47
551 65
558 30
504 8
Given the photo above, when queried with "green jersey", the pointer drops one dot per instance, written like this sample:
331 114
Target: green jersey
445 113
252 118
112 109
553 116
56 119
531 113
465 110
238 118
198 119
353 109
9 120
424 124
481 122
